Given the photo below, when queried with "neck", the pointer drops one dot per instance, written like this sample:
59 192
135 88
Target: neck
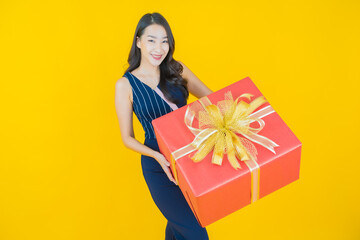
146 68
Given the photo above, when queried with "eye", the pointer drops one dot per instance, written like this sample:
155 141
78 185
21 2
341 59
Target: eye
151 40
165 41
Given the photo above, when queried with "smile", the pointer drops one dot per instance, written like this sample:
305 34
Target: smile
157 57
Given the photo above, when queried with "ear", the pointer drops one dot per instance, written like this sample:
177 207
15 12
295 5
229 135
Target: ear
138 42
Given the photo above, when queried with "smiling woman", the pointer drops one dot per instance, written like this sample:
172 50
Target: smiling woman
155 44
152 86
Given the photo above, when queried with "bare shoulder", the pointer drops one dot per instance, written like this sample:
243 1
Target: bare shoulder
123 88
122 83
187 73
185 69
182 64
195 85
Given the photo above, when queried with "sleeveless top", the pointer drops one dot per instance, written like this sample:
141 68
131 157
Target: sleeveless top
148 105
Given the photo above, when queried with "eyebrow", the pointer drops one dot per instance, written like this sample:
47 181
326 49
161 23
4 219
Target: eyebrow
155 37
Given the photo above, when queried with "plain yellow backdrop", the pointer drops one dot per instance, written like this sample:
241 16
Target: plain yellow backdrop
64 172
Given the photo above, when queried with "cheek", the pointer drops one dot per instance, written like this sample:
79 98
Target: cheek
148 46
166 48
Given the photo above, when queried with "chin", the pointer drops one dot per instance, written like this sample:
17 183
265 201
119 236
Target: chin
157 63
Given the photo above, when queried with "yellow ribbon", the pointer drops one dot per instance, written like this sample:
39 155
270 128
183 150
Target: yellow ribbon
218 128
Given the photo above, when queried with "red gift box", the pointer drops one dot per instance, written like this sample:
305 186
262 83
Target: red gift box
213 191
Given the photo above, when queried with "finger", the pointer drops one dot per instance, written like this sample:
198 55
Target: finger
174 181
171 178
169 175
167 171
165 163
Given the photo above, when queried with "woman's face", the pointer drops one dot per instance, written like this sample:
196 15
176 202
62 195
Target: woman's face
153 44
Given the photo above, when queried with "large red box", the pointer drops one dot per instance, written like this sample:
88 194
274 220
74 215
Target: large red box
214 191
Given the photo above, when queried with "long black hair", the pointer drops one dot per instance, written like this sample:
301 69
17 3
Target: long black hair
170 69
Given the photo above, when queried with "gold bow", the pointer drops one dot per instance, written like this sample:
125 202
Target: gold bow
218 128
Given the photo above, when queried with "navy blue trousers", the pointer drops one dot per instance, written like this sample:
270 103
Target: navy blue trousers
181 221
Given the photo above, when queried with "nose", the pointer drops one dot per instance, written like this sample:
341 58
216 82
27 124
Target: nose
157 47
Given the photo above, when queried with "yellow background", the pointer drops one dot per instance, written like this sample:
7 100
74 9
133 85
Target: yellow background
64 172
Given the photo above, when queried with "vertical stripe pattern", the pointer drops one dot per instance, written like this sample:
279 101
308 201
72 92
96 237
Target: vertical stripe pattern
148 105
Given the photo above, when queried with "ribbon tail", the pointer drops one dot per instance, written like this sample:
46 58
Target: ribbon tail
219 149
257 102
204 148
230 151
239 148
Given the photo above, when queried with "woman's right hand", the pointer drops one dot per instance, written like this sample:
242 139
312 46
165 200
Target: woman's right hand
165 166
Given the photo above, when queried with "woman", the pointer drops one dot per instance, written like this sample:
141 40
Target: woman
152 68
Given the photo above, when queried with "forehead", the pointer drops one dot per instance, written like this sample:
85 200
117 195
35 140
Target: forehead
155 30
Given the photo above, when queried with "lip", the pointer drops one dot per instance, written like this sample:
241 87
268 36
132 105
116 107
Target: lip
156 57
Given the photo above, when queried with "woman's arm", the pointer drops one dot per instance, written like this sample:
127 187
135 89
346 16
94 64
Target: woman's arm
124 113
195 86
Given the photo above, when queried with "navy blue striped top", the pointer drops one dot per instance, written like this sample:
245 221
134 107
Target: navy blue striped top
148 105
